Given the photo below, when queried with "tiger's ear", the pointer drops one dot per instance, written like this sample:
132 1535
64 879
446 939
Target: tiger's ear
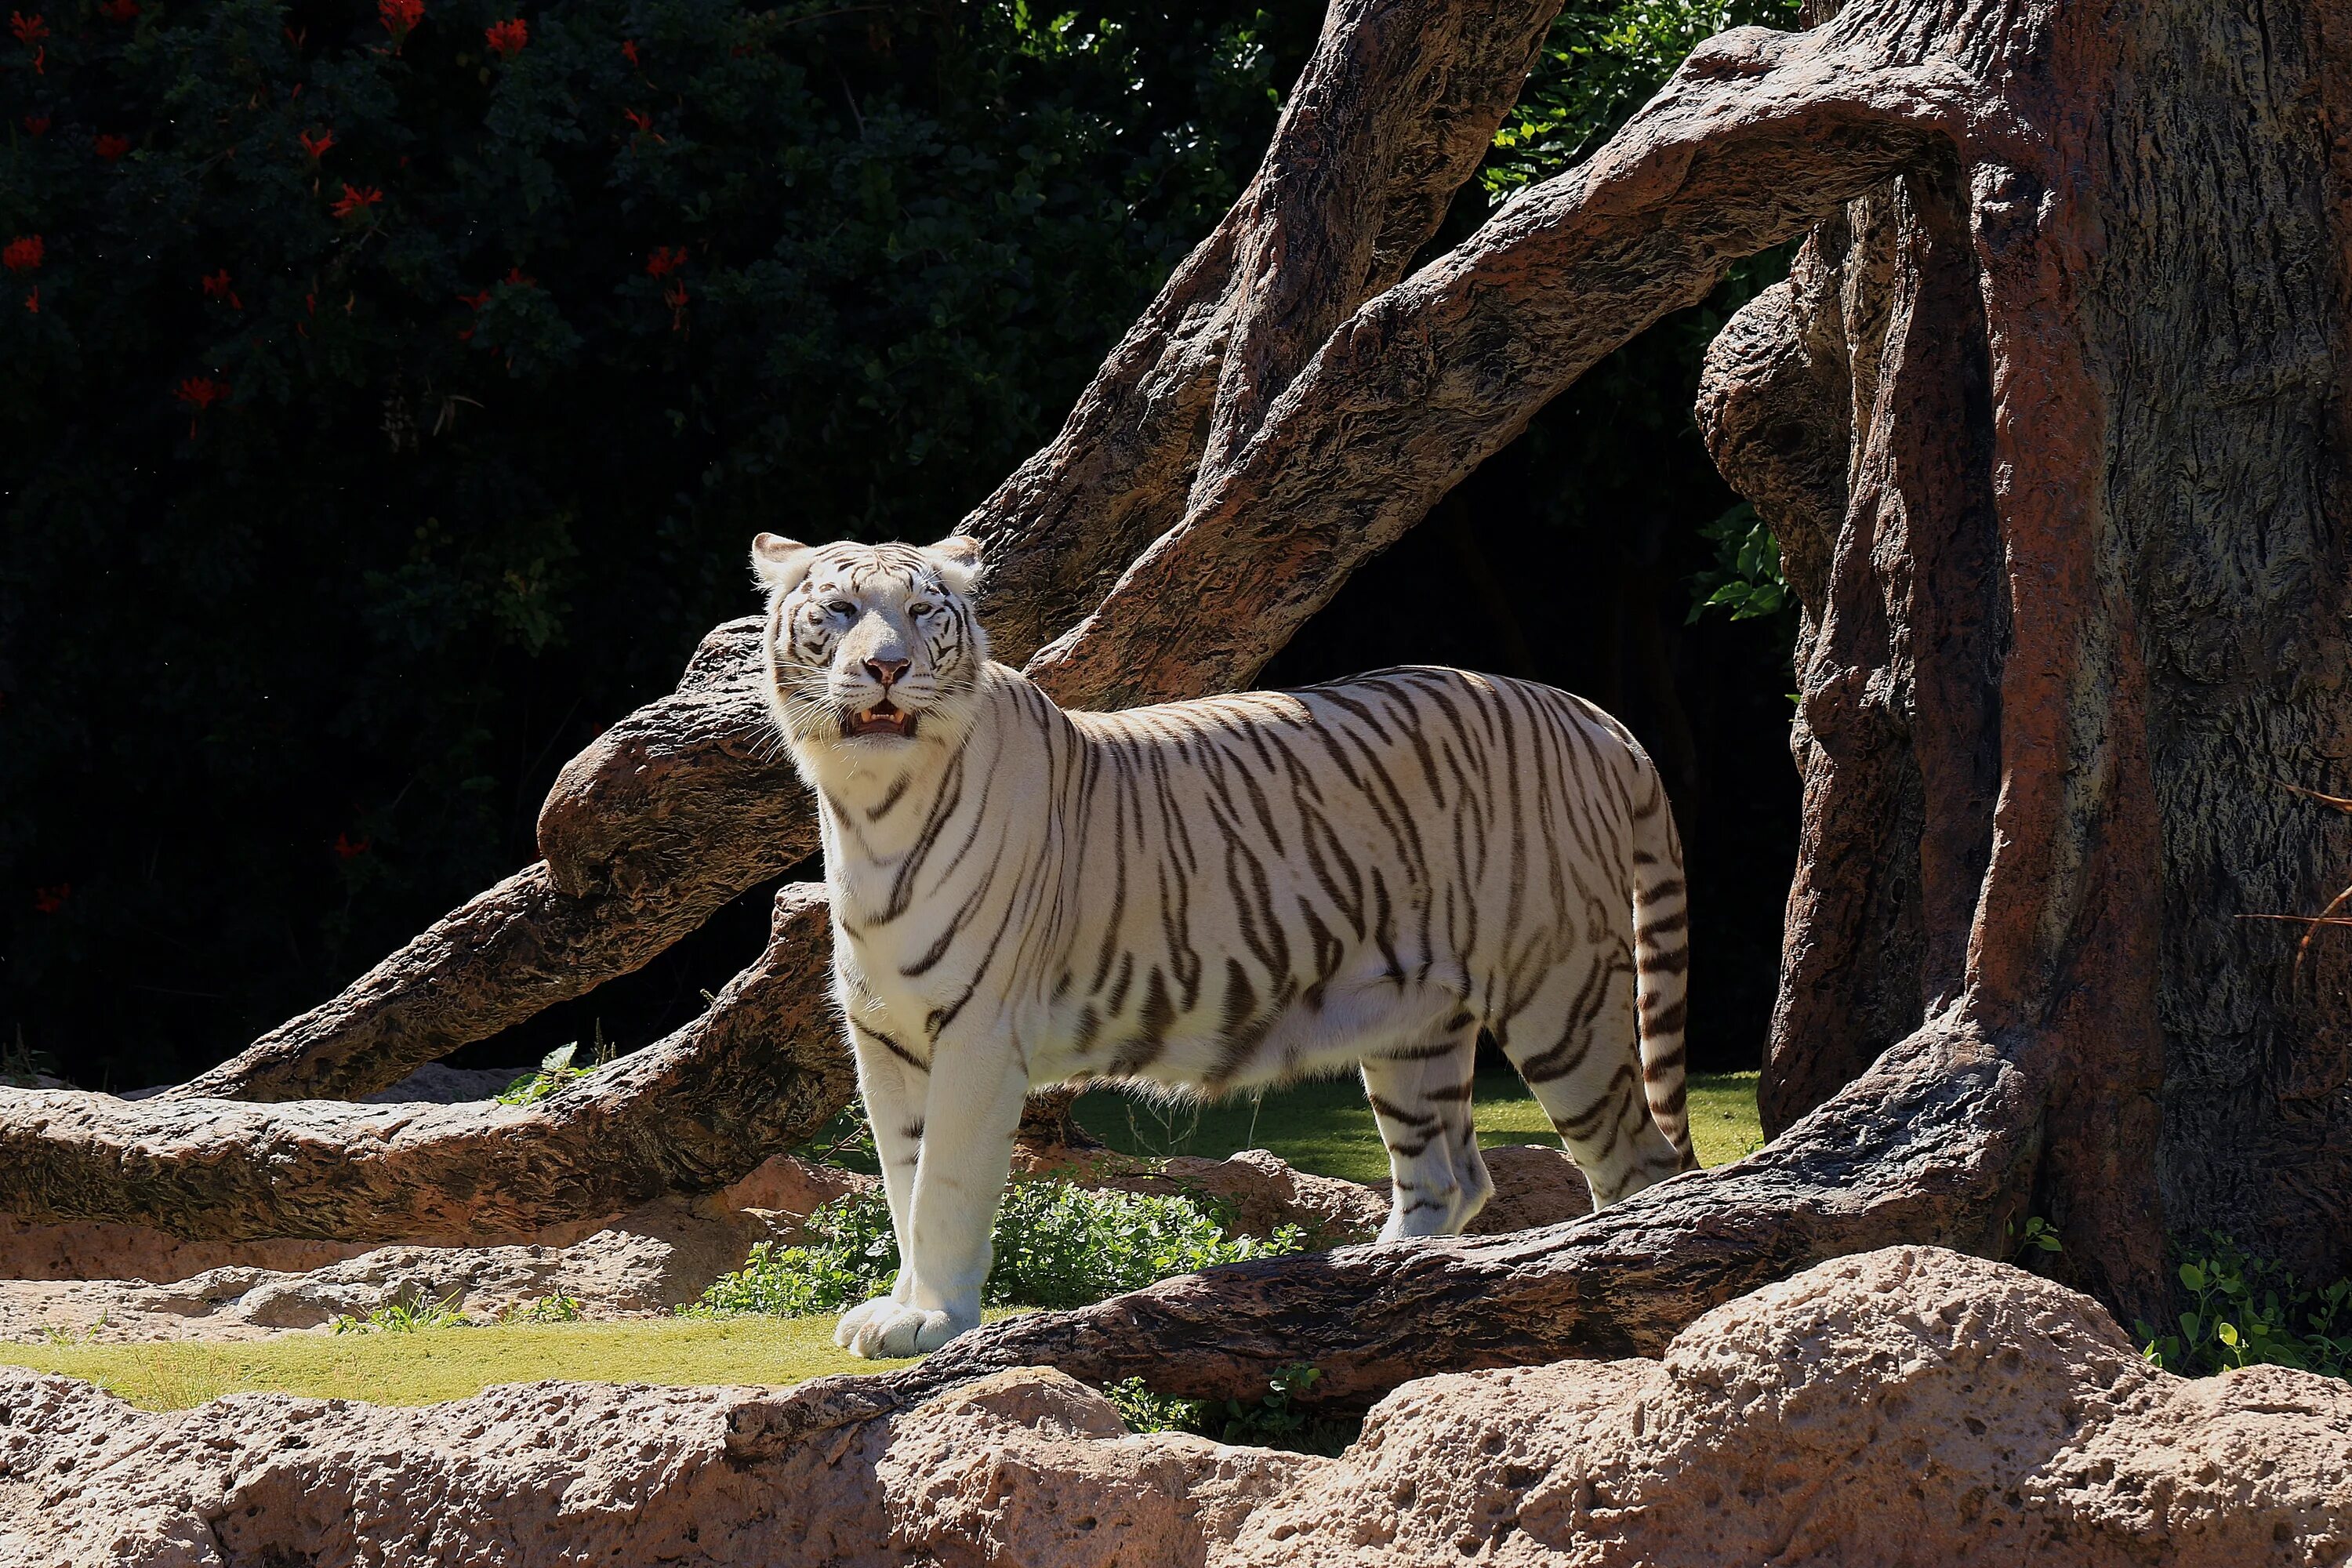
958 559
780 563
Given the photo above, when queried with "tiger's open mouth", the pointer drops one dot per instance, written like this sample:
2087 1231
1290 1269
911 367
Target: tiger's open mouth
882 719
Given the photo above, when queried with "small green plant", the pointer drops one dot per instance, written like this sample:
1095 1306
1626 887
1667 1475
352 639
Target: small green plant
2039 1236
1746 577
21 1067
1273 1421
555 1070
847 1141
557 1308
2253 1313
1144 1411
408 1315
1056 1245
58 1336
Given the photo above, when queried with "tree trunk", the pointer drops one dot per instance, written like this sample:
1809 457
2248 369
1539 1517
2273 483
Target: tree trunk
2115 366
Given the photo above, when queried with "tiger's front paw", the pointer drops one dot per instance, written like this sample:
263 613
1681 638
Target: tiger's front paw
883 1327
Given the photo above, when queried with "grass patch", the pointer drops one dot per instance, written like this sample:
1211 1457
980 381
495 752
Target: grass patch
429 1366
1326 1127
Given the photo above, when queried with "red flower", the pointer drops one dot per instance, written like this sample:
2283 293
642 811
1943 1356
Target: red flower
636 121
473 301
347 849
675 298
29 30
629 50
399 18
199 393
37 125
119 10
49 900
507 39
356 199
33 301
516 276
216 287
315 143
665 261
22 254
111 147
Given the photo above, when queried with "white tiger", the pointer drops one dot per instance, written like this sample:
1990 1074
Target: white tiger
1209 895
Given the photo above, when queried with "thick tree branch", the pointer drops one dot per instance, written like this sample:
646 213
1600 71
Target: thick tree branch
1758 135
694 1111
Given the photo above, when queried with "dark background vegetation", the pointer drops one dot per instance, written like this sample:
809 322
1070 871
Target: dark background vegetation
330 535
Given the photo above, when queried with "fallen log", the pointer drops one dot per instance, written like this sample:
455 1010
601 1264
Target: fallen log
692 1112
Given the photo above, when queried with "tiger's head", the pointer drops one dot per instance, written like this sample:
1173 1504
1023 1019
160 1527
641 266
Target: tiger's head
873 647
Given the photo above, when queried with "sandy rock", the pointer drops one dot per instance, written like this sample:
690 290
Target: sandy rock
789 1186
1907 1406
644 1263
1910 1406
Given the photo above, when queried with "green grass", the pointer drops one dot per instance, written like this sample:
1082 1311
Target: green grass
1326 1127
434 1364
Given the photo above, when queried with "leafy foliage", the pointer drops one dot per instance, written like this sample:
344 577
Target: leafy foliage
555 1072
392 389
405 1316
1600 63
1056 1245
2252 1312
1746 577
1273 1421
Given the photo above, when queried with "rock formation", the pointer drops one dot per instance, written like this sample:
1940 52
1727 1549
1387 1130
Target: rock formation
1910 1406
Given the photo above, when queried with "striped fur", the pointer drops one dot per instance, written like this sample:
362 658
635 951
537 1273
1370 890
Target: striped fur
1211 894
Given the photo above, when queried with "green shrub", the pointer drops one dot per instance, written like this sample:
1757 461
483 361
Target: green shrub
1270 1422
555 1070
2252 1312
1056 1245
1601 63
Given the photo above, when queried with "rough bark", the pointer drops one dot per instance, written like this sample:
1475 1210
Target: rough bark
1427 381
694 1111
2126 389
1873 359
687 803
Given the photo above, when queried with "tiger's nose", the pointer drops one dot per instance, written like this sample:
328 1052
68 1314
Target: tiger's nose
887 670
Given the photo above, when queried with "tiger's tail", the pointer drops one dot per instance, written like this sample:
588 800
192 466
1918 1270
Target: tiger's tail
1661 963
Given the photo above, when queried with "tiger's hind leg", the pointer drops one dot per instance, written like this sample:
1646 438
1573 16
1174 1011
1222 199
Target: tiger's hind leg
1423 1106
1577 1045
